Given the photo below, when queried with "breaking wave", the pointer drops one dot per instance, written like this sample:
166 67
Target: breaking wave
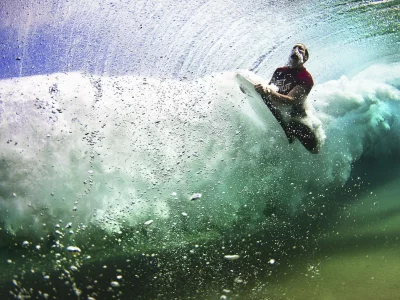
115 152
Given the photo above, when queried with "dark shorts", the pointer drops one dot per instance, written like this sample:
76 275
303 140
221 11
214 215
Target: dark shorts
295 130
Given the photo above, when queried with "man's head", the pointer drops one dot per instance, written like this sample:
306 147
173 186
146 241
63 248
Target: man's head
298 56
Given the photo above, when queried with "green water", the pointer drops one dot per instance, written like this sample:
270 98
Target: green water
347 248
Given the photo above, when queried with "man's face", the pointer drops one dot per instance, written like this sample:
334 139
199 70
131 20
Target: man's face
298 54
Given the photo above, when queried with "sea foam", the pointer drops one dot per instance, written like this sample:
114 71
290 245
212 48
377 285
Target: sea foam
118 151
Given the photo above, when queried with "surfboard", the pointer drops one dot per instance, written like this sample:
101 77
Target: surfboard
293 128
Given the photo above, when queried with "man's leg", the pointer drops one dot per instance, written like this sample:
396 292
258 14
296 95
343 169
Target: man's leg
278 116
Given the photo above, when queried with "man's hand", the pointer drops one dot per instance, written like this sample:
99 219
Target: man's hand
262 90
297 94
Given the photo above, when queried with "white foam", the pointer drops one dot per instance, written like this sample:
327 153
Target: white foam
142 138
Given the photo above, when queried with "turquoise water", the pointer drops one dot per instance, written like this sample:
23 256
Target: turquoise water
124 133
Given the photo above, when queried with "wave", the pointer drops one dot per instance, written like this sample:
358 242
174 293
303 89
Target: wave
115 152
168 39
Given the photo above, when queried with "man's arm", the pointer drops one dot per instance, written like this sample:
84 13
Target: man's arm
297 94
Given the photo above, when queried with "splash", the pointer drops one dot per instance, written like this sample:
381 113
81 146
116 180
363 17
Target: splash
115 152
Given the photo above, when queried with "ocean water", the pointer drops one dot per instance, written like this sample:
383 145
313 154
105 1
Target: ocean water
134 167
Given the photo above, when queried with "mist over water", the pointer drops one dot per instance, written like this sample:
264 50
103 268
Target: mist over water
115 115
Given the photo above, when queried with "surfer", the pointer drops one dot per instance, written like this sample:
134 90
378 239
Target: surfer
293 83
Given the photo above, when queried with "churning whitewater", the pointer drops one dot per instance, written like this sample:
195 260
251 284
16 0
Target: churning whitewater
117 152
133 165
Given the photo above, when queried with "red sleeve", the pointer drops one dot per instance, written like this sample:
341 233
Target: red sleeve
306 79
